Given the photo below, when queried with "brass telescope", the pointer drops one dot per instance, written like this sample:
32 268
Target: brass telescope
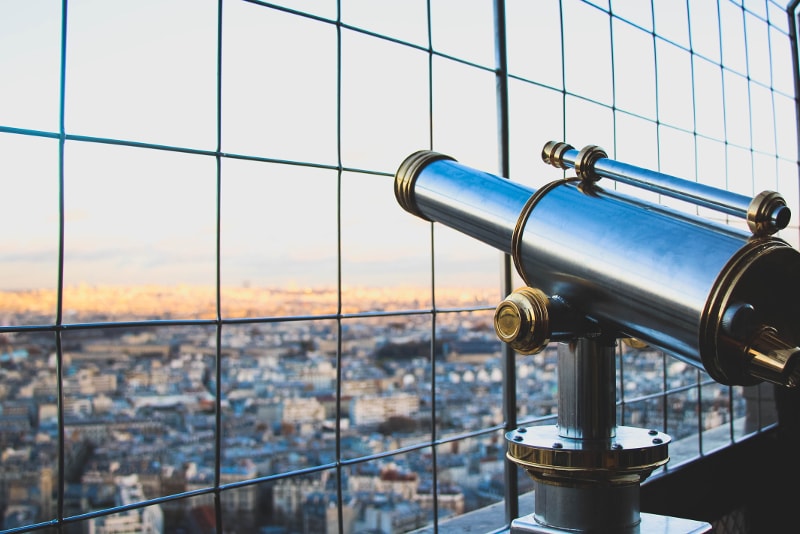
602 266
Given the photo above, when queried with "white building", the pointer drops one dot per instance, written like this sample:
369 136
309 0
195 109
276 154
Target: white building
147 520
377 409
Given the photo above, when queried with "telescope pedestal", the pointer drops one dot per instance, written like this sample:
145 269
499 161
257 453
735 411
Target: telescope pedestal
649 524
587 471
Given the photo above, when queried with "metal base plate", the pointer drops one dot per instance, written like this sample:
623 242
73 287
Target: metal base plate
650 524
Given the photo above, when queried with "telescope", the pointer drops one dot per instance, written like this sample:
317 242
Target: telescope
602 266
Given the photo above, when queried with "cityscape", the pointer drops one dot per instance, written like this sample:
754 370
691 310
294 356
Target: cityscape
140 418
228 164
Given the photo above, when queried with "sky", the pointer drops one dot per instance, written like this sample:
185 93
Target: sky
146 72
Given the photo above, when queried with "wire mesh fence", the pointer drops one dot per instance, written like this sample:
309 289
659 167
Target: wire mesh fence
213 315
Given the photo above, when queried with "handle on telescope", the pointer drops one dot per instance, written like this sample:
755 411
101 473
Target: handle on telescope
766 213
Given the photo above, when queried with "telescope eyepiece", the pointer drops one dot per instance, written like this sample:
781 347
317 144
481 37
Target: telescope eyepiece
773 360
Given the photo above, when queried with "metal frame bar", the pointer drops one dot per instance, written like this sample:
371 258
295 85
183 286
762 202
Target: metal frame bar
501 71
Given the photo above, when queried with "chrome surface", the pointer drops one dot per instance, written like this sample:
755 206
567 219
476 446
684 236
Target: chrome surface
662 277
765 214
476 203
586 470
648 524
587 390
637 269
407 175
630 270
627 458
603 508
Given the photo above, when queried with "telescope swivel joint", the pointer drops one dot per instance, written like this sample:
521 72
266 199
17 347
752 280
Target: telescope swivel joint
528 320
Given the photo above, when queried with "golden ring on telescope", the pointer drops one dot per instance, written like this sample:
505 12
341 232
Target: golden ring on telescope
553 153
750 276
635 343
522 320
406 177
632 452
584 163
522 220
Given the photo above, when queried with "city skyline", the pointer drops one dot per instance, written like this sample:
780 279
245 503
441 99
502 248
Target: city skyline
206 282
152 394
199 302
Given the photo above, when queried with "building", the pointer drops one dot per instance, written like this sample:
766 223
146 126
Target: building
379 408
147 520
205 255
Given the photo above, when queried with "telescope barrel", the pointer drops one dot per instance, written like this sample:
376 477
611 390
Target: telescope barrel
714 296
766 213
477 203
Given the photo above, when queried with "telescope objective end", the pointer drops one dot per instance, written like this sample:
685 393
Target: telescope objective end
406 176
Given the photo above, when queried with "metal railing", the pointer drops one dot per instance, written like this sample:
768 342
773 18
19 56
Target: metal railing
207 120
